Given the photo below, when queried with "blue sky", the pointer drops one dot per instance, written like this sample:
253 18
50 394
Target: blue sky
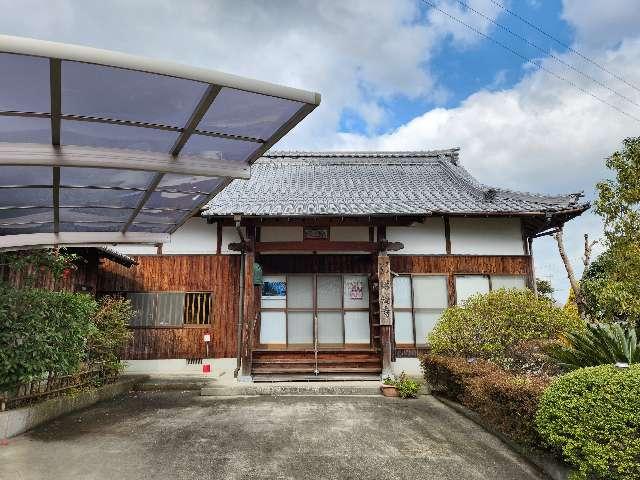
465 69
397 75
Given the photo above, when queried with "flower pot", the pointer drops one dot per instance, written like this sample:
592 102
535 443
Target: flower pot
389 390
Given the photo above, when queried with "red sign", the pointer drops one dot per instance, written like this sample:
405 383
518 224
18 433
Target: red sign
206 368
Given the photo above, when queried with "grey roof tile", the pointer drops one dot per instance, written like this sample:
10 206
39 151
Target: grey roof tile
372 183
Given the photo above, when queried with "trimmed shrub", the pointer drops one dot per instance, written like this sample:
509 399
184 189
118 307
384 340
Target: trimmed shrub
509 402
593 415
450 375
489 325
504 399
41 332
109 333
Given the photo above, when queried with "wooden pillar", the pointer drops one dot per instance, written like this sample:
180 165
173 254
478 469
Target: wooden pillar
248 305
386 313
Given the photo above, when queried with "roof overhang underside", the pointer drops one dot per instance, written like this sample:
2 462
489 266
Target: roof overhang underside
102 147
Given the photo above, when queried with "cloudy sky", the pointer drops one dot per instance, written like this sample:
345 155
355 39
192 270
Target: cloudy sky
398 74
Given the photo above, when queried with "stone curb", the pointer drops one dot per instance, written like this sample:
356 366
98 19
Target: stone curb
267 389
544 462
17 421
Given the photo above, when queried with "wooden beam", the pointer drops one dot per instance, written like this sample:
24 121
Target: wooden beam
249 307
323 246
386 313
447 235
218 238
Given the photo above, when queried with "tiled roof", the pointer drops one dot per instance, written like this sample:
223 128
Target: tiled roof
373 183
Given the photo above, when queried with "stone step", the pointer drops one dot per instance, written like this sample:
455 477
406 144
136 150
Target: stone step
294 388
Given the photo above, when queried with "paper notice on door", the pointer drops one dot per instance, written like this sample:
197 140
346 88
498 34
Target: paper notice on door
355 289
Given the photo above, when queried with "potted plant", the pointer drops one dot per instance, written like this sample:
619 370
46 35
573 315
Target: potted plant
389 388
403 387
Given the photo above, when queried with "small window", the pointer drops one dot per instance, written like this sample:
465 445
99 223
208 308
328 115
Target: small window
170 309
197 308
418 303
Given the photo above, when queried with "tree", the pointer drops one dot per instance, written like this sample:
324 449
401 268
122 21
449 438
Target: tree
611 284
544 288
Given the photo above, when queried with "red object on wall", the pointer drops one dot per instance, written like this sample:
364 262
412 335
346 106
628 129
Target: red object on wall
206 368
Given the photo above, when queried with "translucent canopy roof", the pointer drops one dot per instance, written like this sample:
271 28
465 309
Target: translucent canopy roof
99 146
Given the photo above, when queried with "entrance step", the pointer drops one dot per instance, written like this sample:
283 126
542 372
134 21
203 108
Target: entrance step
330 363
273 387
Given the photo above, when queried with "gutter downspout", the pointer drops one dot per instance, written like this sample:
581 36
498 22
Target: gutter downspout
237 219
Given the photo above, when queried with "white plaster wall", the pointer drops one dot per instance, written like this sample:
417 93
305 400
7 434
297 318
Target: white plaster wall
420 238
134 249
486 236
229 235
195 236
349 234
280 234
411 366
221 368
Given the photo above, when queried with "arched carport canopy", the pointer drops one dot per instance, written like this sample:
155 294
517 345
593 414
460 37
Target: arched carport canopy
103 147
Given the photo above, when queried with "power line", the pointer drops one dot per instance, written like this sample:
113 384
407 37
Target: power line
548 53
564 45
531 61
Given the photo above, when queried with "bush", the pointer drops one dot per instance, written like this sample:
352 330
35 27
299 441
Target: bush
407 388
505 400
41 332
598 345
610 287
593 415
489 325
109 333
509 402
449 375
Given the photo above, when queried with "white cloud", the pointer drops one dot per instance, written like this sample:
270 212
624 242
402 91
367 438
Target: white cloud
542 135
602 23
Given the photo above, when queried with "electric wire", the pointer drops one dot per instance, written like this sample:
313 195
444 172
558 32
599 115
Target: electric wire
532 62
564 45
548 53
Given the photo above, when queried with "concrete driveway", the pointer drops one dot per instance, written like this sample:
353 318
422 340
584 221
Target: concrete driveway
180 435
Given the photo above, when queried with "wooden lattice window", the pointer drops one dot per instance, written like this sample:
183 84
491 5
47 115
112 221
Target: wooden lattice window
197 308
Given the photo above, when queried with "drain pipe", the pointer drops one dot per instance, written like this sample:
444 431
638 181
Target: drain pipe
237 219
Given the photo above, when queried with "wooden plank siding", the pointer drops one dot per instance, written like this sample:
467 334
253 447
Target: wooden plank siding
217 274
461 264
81 279
163 343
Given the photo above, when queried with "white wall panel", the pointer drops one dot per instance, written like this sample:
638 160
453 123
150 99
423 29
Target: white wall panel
195 236
229 235
420 238
349 234
486 236
280 234
134 249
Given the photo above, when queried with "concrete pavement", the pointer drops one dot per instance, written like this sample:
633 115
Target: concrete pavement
180 435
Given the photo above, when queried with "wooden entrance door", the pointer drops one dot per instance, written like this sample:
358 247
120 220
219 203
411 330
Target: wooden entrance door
305 310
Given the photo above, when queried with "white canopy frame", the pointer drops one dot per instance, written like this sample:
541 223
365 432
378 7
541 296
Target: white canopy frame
242 117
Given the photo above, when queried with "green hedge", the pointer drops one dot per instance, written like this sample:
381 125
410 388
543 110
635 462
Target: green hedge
41 331
506 400
490 325
109 333
593 415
